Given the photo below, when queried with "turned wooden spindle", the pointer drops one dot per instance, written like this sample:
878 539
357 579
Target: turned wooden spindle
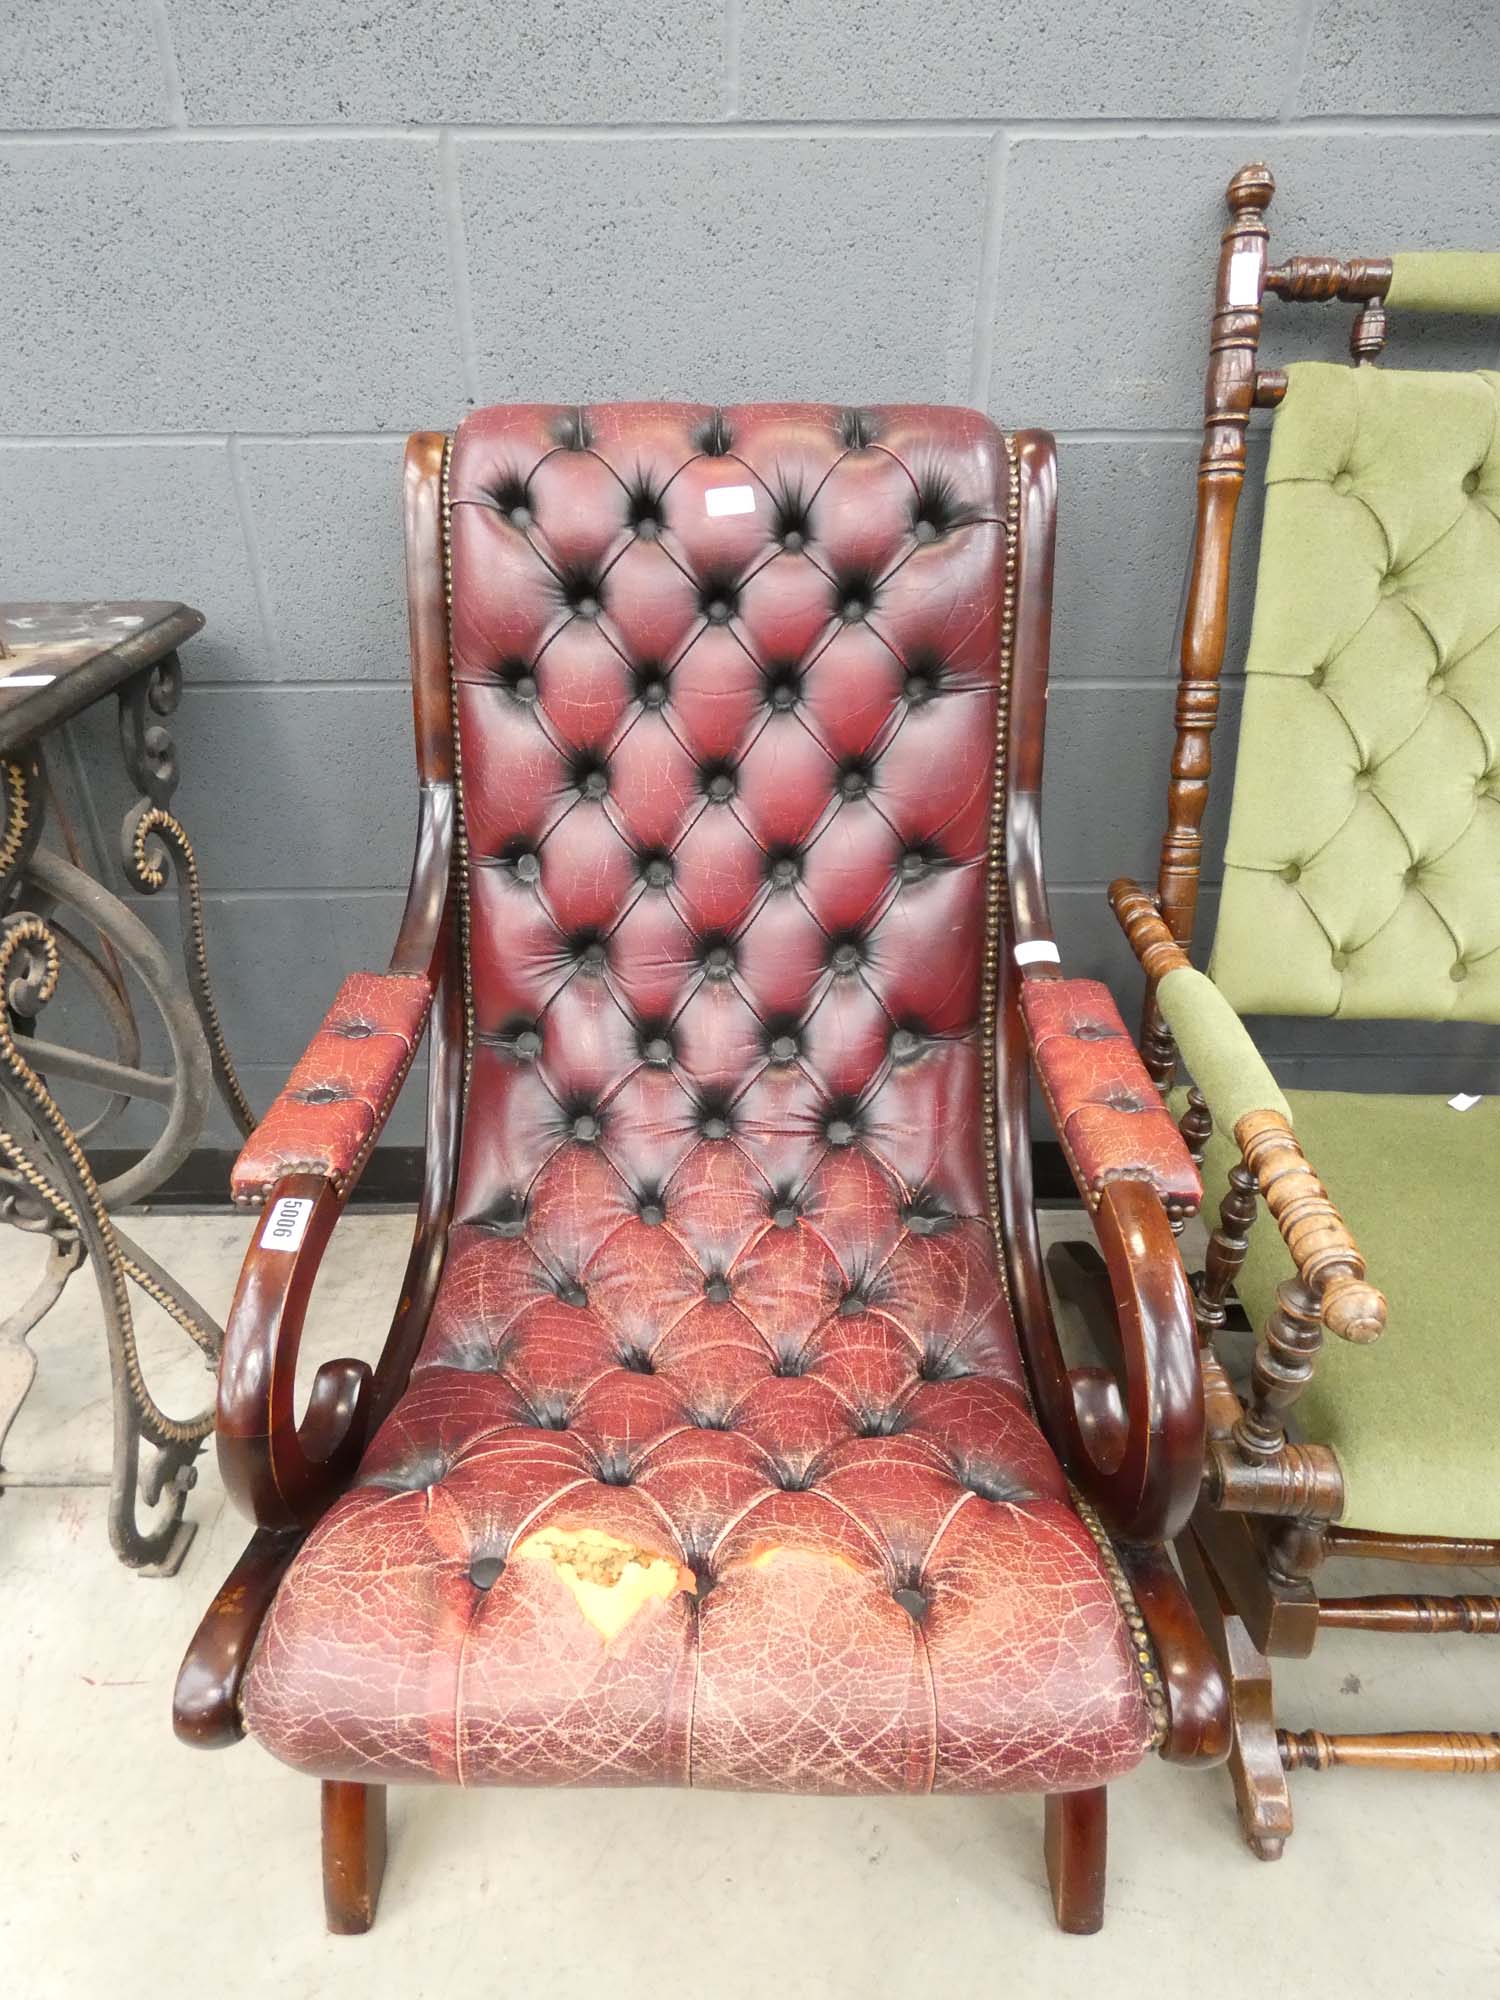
1228 1246
1228 398
1327 1258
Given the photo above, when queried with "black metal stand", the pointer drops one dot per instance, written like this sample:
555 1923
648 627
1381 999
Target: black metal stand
49 910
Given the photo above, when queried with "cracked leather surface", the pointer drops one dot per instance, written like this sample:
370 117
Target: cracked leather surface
717 1466
1108 1113
330 1110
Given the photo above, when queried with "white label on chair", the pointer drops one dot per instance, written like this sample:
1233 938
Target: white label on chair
1463 1102
1039 951
730 500
286 1225
1244 279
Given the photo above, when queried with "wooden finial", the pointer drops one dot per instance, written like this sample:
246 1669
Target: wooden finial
1252 188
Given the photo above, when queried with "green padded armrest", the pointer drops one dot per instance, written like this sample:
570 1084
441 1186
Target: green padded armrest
1455 281
1216 1046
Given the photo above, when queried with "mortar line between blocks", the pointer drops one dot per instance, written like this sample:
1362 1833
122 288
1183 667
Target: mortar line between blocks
166 54
987 286
252 555
1371 125
1301 50
733 38
458 263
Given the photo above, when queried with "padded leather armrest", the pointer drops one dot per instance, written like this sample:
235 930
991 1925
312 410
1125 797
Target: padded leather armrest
336 1100
1109 1115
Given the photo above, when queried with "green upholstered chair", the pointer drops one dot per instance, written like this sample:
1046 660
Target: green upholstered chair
1361 880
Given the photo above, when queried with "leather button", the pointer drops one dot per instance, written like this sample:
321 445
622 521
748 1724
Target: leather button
925 531
783 1048
1390 583
718 784
1339 960
652 1210
718 961
840 1131
786 870
1343 482
527 1044
321 1093
356 1031
920 685
656 870
854 782
1458 973
1436 683
716 1290
905 1043
572 1293
520 517
1292 872
519 681
1317 677
507 1215
845 958
591 781
591 956
587 606
657 1049
1363 780
783 688
714 1125
528 867
914 865
912 1601
486 1571
853 1303
792 540
855 606
1413 875
651 688
1471 481
720 605
785 1213
585 1128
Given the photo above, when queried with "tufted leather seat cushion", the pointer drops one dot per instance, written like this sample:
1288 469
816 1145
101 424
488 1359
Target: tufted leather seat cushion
717 1466
1362 875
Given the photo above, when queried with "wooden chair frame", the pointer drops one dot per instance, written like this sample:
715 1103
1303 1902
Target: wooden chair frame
1270 1507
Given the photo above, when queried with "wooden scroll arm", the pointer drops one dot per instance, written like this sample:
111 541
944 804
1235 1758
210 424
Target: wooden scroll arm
282 1474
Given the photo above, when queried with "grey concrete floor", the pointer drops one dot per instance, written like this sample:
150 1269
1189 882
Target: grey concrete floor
130 1866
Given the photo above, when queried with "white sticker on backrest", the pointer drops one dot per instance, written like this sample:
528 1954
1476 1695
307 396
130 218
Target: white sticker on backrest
730 500
286 1225
1463 1102
1244 278
1040 951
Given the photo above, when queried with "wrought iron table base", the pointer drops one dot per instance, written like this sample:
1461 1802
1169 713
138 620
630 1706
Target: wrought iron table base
46 1183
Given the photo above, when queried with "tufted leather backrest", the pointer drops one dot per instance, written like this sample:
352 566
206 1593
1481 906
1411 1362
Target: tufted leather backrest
1362 874
728 692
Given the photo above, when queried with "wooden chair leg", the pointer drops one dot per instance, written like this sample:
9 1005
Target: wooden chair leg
353 1854
1260 1787
1075 1841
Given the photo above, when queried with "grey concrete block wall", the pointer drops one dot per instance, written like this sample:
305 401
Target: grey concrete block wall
252 243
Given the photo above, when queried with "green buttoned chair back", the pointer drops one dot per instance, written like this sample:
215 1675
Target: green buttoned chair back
1362 879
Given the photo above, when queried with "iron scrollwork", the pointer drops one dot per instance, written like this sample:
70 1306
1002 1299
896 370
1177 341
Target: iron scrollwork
47 1184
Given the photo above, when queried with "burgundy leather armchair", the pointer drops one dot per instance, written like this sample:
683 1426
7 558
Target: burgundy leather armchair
710 1441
